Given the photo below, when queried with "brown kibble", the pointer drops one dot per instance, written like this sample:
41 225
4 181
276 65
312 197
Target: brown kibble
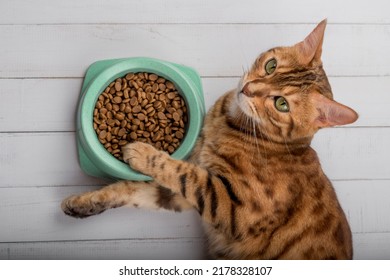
102 134
146 134
170 85
123 123
141 117
121 132
127 109
144 103
140 107
115 107
155 87
168 138
176 116
162 87
137 109
133 135
161 116
153 77
129 76
134 101
157 104
171 95
179 135
171 149
117 99
120 116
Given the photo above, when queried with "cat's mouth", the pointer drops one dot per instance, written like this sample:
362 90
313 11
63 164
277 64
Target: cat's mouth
246 106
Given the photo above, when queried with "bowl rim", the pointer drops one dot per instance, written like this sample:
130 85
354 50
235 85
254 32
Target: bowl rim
96 151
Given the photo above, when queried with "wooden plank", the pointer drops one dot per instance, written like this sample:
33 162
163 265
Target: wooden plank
143 249
50 104
192 11
367 246
372 246
67 50
50 159
39 104
365 204
34 214
32 159
354 153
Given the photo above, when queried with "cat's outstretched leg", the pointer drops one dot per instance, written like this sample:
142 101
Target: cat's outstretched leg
205 191
124 193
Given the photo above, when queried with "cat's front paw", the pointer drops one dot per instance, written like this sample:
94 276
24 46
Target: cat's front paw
82 206
141 156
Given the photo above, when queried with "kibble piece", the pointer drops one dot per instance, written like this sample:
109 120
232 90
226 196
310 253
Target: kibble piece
102 134
170 85
129 76
137 109
133 135
117 99
141 117
155 88
161 116
171 149
179 135
153 77
121 132
120 116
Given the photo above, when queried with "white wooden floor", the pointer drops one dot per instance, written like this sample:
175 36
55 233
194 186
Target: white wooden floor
47 45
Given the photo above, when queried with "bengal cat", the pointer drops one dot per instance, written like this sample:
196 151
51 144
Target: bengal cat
253 177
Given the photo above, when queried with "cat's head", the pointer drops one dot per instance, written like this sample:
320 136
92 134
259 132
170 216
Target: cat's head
287 93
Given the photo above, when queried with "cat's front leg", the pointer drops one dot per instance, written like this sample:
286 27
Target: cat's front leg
198 186
147 195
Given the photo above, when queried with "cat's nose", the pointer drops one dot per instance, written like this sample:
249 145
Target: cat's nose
245 90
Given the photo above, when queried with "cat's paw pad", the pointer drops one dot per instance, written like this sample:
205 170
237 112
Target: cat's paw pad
79 207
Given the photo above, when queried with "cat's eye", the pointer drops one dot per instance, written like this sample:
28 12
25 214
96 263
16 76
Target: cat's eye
281 104
270 66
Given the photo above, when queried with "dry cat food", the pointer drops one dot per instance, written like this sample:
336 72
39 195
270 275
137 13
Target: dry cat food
140 107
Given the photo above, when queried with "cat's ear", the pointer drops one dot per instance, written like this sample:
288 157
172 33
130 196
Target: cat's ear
311 48
330 113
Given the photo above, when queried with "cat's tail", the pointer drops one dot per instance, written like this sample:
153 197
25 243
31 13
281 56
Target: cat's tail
148 195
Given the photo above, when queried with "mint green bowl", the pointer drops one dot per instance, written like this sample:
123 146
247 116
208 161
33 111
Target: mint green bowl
94 159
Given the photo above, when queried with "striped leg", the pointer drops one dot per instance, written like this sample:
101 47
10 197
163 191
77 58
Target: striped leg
205 191
124 193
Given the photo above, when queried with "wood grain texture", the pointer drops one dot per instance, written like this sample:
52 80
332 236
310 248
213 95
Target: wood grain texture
67 50
141 249
191 11
123 234
50 159
34 214
42 105
368 246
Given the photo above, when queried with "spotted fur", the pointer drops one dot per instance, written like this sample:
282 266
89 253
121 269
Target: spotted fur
256 183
